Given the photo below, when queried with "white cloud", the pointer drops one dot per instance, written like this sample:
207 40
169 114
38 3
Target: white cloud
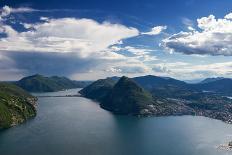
44 18
155 30
82 36
85 39
213 38
228 16
141 54
191 28
6 10
137 51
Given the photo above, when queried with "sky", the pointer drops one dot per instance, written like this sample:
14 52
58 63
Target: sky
92 39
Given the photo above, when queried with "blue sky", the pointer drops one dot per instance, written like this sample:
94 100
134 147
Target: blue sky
88 40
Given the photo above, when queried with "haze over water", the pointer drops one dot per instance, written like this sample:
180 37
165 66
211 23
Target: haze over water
76 125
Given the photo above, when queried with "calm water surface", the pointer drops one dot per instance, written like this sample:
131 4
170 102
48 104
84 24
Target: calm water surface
78 126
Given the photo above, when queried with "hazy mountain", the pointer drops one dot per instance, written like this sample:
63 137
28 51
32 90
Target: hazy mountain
40 83
208 80
167 87
217 85
150 82
16 105
194 81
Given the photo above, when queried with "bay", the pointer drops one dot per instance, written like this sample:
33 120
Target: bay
76 125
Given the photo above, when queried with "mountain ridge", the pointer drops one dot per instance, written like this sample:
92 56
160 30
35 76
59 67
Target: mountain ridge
167 99
40 83
126 97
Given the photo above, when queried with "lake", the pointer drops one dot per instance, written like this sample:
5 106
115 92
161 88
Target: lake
78 126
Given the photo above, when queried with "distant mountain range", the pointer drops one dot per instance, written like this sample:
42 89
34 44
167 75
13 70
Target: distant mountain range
40 83
152 95
208 80
150 82
155 84
16 105
220 85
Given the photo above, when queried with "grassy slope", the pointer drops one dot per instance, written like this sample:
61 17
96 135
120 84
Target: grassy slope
15 105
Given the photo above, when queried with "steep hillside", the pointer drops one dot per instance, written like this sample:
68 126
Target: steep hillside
98 89
16 105
127 97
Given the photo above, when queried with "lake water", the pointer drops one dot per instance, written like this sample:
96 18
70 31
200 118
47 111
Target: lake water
78 126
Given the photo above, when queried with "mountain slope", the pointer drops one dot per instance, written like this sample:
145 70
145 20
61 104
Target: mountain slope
39 83
208 80
127 97
16 105
98 89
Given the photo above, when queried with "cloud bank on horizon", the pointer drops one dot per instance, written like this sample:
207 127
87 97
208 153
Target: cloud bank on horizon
84 48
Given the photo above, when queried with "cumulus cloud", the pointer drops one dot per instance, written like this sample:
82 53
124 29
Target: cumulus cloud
82 36
155 30
228 16
5 11
214 37
66 46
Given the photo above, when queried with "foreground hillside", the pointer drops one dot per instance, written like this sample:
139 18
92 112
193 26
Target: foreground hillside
16 105
129 97
98 89
40 83
126 97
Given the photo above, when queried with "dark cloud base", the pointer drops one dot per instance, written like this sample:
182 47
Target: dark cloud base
50 63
